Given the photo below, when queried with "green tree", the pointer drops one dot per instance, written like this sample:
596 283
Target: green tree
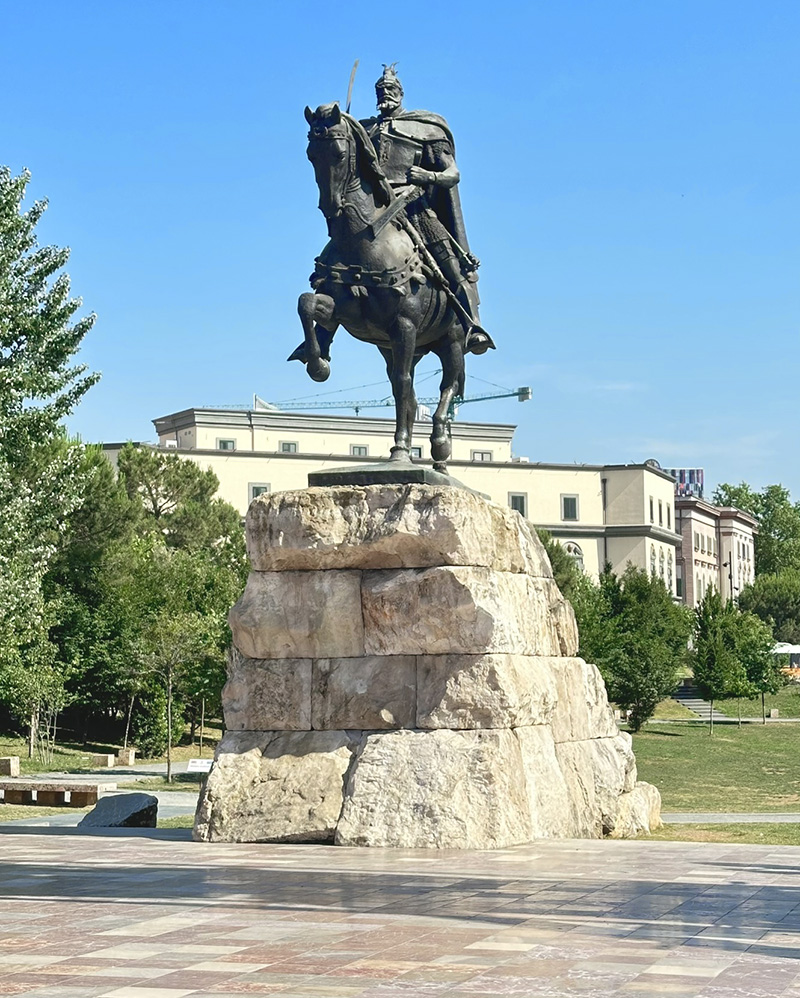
718 669
40 477
565 571
775 599
632 630
777 543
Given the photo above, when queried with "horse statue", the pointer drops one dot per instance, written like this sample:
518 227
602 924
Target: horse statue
376 278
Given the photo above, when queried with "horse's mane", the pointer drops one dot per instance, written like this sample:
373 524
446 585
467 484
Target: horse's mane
368 164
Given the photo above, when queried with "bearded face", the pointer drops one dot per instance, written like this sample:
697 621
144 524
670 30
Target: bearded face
389 99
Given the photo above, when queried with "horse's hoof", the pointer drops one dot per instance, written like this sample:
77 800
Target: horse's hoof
400 454
318 370
440 466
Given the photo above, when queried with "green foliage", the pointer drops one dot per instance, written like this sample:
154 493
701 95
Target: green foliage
41 482
775 599
777 543
565 571
149 721
632 630
732 656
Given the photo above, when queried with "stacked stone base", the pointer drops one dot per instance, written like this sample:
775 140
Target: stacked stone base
405 675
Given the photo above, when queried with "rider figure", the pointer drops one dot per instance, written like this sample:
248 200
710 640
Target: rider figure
416 149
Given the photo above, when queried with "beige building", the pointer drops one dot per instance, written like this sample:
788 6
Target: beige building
618 514
716 549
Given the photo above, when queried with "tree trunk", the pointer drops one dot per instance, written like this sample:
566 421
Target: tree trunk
739 709
128 720
711 718
202 721
34 724
169 726
763 709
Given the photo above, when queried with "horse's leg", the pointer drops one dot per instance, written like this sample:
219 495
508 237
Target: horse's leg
401 374
450 352
312 309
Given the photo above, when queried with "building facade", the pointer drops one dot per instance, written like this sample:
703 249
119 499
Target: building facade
716 549
615 514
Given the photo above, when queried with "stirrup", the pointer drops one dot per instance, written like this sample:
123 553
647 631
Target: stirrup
478 341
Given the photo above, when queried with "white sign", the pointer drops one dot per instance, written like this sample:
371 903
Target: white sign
199 766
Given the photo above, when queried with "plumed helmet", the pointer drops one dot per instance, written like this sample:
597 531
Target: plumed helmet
389 82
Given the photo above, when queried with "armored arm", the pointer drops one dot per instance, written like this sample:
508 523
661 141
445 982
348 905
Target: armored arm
438 166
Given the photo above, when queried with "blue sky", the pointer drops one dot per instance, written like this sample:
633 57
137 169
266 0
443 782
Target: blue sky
629 181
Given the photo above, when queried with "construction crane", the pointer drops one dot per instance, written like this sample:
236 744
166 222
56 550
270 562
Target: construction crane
521 394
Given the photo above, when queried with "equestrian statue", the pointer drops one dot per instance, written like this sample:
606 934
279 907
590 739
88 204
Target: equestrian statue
397 270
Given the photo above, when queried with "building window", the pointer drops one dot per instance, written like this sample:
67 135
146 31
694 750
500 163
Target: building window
660 513
569 507
258 489
669 569
575 552
696 541
653 560
652 515
288 447
661 563
669 517
416 453
702 543
359 450
226 445
481 455
519 502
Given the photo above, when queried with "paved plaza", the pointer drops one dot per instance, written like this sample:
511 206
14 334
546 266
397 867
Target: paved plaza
153 915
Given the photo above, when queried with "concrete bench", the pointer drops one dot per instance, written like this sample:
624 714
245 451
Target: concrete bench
46 794
104 761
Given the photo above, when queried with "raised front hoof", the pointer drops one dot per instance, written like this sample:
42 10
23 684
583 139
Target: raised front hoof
440 466
400 455
318 370
298 354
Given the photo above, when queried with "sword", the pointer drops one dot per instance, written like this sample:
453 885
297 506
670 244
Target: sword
350 86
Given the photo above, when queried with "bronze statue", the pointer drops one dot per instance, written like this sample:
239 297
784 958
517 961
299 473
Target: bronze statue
397 271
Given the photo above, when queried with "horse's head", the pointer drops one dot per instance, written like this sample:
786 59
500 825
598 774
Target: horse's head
332 155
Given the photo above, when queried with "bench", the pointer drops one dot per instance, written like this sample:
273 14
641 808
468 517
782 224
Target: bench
52 794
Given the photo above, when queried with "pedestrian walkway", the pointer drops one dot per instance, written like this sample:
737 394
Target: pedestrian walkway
690 697
728 818
92 917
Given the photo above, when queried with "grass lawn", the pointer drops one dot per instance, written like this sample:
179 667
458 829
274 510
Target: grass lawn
786 700
753 768
671 710
185 782
181 821
13 812
768 834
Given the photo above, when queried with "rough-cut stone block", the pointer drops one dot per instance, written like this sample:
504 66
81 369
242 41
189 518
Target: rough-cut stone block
364 693
639 811
583 710
484 691
440 611
377 526
436 789
9 765
266 694
549 803
268 786
299 615
123 811
597 772
126 757
103 760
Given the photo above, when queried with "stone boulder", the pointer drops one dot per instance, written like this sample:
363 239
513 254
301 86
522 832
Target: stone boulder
123 811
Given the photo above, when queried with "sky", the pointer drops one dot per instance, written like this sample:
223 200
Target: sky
629 182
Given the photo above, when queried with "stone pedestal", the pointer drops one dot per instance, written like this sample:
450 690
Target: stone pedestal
404 673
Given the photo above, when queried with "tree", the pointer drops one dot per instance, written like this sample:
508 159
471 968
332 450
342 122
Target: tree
40 478
636 635
565 571
775 599
777 543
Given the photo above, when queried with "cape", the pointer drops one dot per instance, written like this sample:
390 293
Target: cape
445 201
